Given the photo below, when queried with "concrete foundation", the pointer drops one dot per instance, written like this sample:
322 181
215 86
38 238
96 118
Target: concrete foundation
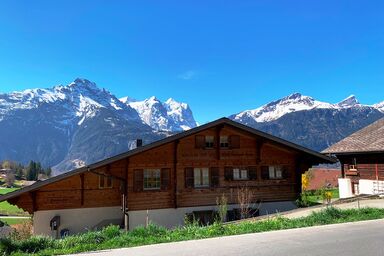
84 219
172 217
345 188
76 220
371 187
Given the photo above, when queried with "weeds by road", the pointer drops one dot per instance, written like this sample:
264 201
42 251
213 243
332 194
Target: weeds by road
113 237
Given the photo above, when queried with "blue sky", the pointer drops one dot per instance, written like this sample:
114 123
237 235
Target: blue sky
221 57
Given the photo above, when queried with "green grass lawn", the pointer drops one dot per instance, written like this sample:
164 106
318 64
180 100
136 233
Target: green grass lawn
8 209
4 191
113 237
316 198
13 221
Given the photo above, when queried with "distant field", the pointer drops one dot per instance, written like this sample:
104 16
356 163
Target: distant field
8 209
7 190
13 221
317 198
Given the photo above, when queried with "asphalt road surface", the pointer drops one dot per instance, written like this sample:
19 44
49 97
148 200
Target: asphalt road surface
359 238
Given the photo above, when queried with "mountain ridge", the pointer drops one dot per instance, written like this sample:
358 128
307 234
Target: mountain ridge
68 126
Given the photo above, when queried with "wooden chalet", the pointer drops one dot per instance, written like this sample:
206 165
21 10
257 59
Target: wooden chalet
362 161
164 181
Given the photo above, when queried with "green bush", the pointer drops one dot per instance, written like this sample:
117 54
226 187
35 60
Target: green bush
35 244
7 246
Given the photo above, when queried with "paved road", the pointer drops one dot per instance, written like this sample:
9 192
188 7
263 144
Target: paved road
348 239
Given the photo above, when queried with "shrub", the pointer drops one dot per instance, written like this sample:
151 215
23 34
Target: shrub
35 244
7 246
22 231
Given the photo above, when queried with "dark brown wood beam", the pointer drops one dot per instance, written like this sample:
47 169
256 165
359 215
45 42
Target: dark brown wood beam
217 137
342 169
175 160
82 189
108 169
126 176
33 197
259 145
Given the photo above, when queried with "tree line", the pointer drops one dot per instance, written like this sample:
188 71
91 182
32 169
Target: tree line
32 171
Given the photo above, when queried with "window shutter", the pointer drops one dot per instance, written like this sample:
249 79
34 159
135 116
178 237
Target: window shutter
228 173
101 181
286 173
252 172
215 177
200 141
189 178
234 141
165 178
109 181
264 172
138 180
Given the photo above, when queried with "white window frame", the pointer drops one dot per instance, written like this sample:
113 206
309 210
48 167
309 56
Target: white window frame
201 177
224 141
240 174
104 180
152 176
275 172
209 141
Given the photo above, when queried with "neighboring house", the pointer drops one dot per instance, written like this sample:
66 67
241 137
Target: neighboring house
6 171
362 161
322 178
164 181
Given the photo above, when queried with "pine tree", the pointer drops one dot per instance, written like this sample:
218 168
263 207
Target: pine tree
32 172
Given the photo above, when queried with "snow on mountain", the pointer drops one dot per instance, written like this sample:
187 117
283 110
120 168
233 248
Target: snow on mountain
293 103
81 98
180 113
379 106
168 116
349 102
60 123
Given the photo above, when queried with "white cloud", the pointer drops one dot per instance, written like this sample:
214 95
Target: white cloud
188 75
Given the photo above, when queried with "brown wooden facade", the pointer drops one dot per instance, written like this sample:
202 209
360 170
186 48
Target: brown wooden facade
364 165
118 181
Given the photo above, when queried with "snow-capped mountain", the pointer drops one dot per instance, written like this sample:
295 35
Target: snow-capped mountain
309 122
81 99
69 125
293 103
163 116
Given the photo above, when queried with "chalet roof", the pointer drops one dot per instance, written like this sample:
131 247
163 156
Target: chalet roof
367 140
222 121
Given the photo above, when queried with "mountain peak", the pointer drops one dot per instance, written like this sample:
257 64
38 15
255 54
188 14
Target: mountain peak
350 101
295 95
83 83
127 100
172 103
153 98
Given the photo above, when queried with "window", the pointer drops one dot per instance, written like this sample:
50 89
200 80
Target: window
201 177
240 174
209 141
224 142
152 179
275 172
105 181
